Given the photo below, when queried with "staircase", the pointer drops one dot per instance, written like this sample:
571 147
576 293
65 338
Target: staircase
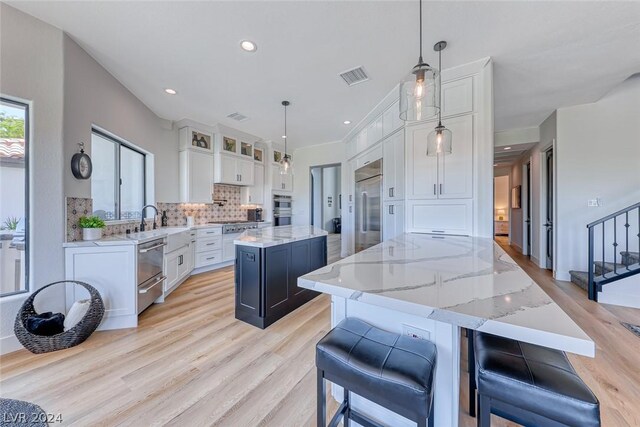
613 239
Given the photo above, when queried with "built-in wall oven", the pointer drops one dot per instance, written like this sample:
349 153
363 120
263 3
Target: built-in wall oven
150 275
281 210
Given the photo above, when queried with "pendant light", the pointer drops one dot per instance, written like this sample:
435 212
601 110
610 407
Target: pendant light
417 90
285 163
439 140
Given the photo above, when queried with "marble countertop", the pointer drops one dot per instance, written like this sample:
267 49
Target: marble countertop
136 238
466 281
273 236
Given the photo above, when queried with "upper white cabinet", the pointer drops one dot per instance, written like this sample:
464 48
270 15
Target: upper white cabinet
441 177
254 195
281 182
232 145
391 119
196 176
195 139
374 131
457 97
393 167
232 170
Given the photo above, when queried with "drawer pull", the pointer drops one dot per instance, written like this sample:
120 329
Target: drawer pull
437 231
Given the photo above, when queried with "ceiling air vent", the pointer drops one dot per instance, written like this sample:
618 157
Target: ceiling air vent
354 76
237 117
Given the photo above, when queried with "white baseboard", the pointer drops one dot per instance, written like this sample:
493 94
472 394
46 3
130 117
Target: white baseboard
9 344
212 267
563 275
619 298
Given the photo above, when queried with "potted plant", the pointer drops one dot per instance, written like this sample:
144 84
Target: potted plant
91 227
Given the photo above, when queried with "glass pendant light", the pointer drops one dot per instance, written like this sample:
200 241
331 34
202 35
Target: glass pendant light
286 167
439 140
418 89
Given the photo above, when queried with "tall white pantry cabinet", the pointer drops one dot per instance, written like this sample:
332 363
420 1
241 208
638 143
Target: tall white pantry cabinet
450 194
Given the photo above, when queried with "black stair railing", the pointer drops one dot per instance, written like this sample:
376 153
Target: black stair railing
602 223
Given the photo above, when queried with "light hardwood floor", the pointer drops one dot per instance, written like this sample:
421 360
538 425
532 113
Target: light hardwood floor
191 363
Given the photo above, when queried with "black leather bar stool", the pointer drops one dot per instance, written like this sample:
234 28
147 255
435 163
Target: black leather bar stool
527 384
389 369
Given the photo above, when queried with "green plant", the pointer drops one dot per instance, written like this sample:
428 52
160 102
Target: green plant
11 223
91 222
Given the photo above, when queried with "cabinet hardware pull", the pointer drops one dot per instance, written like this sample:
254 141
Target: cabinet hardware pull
437 231
434 189
211 257
210 244
440 188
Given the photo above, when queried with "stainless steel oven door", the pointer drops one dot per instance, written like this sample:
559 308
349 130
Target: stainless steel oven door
281 220
150 257
150 291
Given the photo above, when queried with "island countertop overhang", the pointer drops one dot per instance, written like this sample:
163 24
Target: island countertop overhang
465 281
274 236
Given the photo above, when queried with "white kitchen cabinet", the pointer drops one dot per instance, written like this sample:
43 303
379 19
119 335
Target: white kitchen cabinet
393 220
228 247
208 247
361 141
374 131
281 182
393 167
441 177
254 195
177 260
232 170
457 97
196 176
440 216
391 119
112 271
371 155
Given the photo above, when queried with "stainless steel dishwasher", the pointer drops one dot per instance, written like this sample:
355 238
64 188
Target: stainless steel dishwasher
150 277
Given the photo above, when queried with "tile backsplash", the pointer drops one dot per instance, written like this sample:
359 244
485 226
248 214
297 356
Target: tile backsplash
177 213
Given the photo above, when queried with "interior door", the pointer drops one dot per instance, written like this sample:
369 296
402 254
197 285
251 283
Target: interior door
549 211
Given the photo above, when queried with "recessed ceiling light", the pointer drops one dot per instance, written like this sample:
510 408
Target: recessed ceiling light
170 91
507 148
248 46
284 136
347 122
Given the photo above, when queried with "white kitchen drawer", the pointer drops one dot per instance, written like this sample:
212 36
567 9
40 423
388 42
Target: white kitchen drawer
369 156
440 217
207 232
204 259
205 244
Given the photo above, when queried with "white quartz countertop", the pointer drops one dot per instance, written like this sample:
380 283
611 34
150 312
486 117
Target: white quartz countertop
466 281
136 238
273 236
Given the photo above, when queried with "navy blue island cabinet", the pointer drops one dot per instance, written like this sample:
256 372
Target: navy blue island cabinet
267 279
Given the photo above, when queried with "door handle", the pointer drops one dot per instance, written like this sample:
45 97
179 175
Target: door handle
145 290
364 212
548 224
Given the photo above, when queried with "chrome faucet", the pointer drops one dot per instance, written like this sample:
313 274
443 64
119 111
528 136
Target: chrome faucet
142 223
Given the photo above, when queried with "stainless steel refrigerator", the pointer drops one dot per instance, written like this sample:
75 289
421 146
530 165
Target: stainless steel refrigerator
368 221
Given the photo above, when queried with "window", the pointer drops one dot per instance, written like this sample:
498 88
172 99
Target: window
118 179
14 196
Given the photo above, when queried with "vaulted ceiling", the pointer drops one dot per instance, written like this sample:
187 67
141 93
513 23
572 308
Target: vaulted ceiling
547 55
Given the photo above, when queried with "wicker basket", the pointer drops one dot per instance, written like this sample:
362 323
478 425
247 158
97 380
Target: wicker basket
72 337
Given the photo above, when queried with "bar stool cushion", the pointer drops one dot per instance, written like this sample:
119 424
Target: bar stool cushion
534 378
392 370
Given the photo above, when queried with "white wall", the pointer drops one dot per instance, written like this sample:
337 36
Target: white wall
597 156
92 96
303 160
317 196
330 188
32 69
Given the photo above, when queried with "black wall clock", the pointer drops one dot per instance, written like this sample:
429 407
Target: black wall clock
81 166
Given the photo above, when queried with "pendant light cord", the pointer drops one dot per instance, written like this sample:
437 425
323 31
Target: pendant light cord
285 131
440 88
420 60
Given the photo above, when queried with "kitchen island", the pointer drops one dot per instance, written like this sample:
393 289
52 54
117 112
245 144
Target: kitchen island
269 261
429 287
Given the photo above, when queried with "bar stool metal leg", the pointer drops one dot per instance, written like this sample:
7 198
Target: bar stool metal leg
321 400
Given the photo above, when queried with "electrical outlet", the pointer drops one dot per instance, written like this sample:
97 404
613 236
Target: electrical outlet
592 203
413 332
